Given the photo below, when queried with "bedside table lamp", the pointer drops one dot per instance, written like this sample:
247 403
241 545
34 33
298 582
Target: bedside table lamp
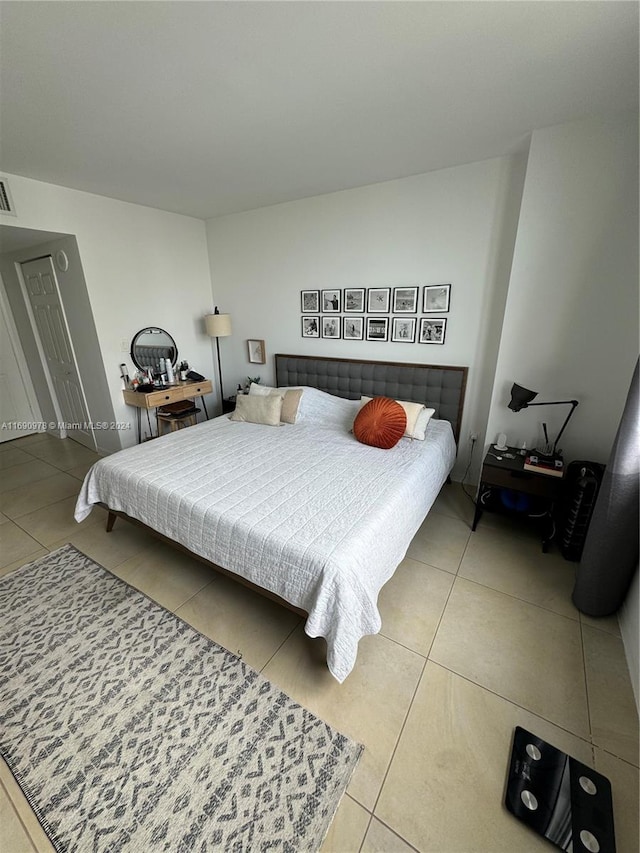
521 399
218 326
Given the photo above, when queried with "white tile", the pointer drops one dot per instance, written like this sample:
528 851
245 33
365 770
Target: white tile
440 542
612 707
347 829
56 522
522 652
412 602
15 544
516 565
370 705
445 788
32 496
625 794
245 622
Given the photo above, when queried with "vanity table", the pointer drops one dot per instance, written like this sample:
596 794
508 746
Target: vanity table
187 390
151 350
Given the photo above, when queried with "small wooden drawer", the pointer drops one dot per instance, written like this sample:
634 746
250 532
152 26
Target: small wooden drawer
519 481
161 398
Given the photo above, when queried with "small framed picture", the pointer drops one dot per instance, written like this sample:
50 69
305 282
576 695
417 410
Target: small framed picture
310 327
256 351
378 300
432 330
330 327
403 330
436 297
331 301
353 328
405 300
377 328
310 301
354 300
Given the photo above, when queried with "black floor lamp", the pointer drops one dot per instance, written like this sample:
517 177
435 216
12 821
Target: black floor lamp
521 399
218 326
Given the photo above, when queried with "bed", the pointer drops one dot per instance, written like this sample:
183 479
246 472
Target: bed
302 512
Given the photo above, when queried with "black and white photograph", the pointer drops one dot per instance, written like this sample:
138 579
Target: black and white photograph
432 330
403 330
331 301
377 328
330 327
310 301
405 300
310 327
378 300
354 300
436 298
353 328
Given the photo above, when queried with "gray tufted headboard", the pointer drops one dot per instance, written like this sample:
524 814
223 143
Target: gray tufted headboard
439 387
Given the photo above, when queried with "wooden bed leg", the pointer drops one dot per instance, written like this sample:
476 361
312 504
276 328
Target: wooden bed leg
111 520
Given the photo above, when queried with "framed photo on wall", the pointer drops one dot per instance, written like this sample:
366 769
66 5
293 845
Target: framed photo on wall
353 328
405 300
330 327
354 300
378 300
436 297
256 351
310 327
331 301
377 328
310 301
403 330
432 330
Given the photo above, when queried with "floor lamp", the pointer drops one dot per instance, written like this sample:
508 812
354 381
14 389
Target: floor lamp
218 326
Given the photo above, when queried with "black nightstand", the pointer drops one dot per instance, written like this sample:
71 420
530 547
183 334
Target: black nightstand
228 405
528 493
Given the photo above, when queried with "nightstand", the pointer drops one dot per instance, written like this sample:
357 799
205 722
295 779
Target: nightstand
506 487
228 405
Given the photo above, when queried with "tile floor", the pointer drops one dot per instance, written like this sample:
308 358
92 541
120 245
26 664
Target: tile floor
479 635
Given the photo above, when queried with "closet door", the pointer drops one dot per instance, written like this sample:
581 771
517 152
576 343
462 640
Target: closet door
52 330
19 410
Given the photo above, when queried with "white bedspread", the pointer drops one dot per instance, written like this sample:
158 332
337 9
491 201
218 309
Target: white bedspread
303 510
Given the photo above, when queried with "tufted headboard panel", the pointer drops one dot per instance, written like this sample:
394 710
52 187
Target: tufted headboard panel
439 387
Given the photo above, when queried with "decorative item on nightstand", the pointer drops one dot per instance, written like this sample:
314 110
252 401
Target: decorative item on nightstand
218 326
547 459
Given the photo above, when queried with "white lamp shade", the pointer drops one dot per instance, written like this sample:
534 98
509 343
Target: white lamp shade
218 325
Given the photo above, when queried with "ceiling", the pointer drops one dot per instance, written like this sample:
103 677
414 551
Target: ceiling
209 108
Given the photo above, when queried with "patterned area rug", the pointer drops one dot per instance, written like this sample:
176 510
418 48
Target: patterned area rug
128 730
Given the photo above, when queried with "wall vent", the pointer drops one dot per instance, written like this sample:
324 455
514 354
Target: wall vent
6 202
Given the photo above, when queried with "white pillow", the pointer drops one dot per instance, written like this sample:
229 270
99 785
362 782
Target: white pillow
258 409
263 390
290 399
418 416
420 429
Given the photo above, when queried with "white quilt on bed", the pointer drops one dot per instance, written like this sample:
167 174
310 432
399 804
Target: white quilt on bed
303 510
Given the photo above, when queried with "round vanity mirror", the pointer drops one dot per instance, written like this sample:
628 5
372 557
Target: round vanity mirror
150 345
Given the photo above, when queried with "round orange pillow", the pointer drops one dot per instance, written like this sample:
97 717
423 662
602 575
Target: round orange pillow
380 423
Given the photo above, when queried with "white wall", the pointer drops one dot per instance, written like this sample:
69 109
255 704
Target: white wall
447 226
571 321
142 267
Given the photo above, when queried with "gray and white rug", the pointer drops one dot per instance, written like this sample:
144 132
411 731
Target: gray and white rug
128 730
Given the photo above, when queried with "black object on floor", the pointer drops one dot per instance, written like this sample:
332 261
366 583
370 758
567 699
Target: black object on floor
558 797
582 483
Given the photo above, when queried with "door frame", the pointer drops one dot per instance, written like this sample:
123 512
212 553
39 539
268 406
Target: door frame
58 429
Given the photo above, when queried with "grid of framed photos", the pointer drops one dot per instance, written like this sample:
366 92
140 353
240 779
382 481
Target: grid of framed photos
358 313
